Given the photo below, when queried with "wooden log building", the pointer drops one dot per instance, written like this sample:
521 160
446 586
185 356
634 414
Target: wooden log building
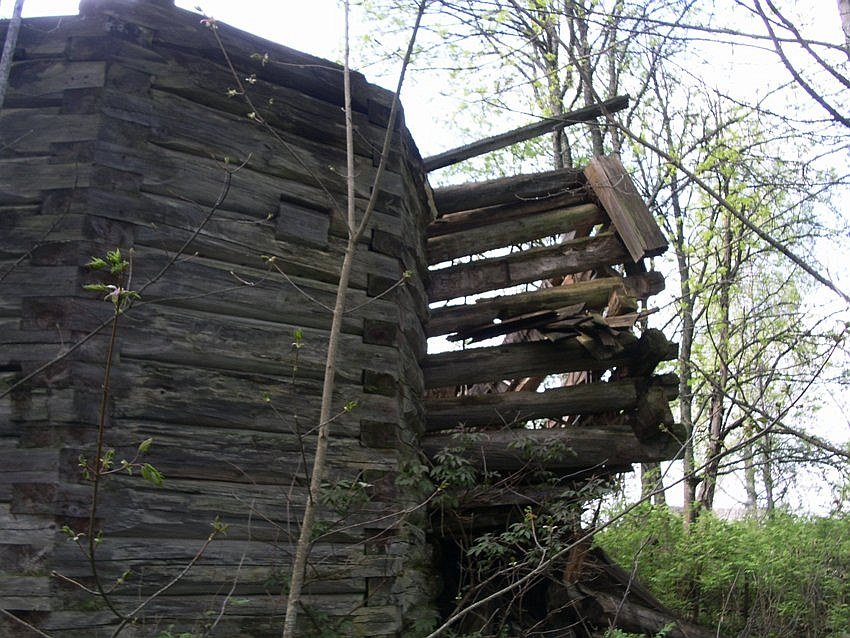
122 128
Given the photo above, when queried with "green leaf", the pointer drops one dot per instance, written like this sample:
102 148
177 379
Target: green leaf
96 287
145 445
152 475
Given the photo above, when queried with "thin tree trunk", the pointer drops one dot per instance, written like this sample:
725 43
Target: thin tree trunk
767 475
717 411
686 310
355 232
750 475
9 48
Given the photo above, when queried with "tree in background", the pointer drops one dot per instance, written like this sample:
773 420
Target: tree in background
743 177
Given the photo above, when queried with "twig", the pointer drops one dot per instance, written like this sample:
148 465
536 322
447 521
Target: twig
24 623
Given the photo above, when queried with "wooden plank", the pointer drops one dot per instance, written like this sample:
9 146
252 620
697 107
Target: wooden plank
507 190
651 235
26 593
515 408
528 132
303 225
555 449
513 232
40 79
594 293
577 255
517 360
33 177
34 130
617 193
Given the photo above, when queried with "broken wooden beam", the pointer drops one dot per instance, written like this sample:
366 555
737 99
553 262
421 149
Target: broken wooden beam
615 190
576 255
524 133
514 231
517 360
605 610
554 449
594 293
507 190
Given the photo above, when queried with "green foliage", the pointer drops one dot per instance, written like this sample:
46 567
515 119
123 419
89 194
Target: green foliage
342 496
784 576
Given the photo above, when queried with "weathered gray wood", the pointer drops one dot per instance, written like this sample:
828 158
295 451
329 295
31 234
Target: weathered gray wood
594 293
31 131
516 360
512 232
507 190
26 593
524 133
612 185
468 219
515 408
555 449
39 80
577 255
29 179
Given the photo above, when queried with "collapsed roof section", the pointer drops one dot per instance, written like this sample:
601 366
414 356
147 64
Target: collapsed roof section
591 285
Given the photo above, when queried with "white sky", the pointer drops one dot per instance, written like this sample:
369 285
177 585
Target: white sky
313 27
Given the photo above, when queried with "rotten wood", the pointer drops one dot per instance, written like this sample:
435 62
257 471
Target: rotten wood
577 255
594 293
516 408
617 193
512 232
507 190
516 360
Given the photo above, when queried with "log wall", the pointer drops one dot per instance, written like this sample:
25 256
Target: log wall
118 132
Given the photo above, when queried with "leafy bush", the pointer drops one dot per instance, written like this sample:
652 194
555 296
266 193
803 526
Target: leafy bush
784 576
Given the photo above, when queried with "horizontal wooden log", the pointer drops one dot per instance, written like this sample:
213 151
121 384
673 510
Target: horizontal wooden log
524 133
516 408
507 190
631 217
468 219
517 360
595 294
555 449
577 255
516 231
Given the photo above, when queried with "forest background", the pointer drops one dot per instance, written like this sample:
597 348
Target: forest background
737 135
